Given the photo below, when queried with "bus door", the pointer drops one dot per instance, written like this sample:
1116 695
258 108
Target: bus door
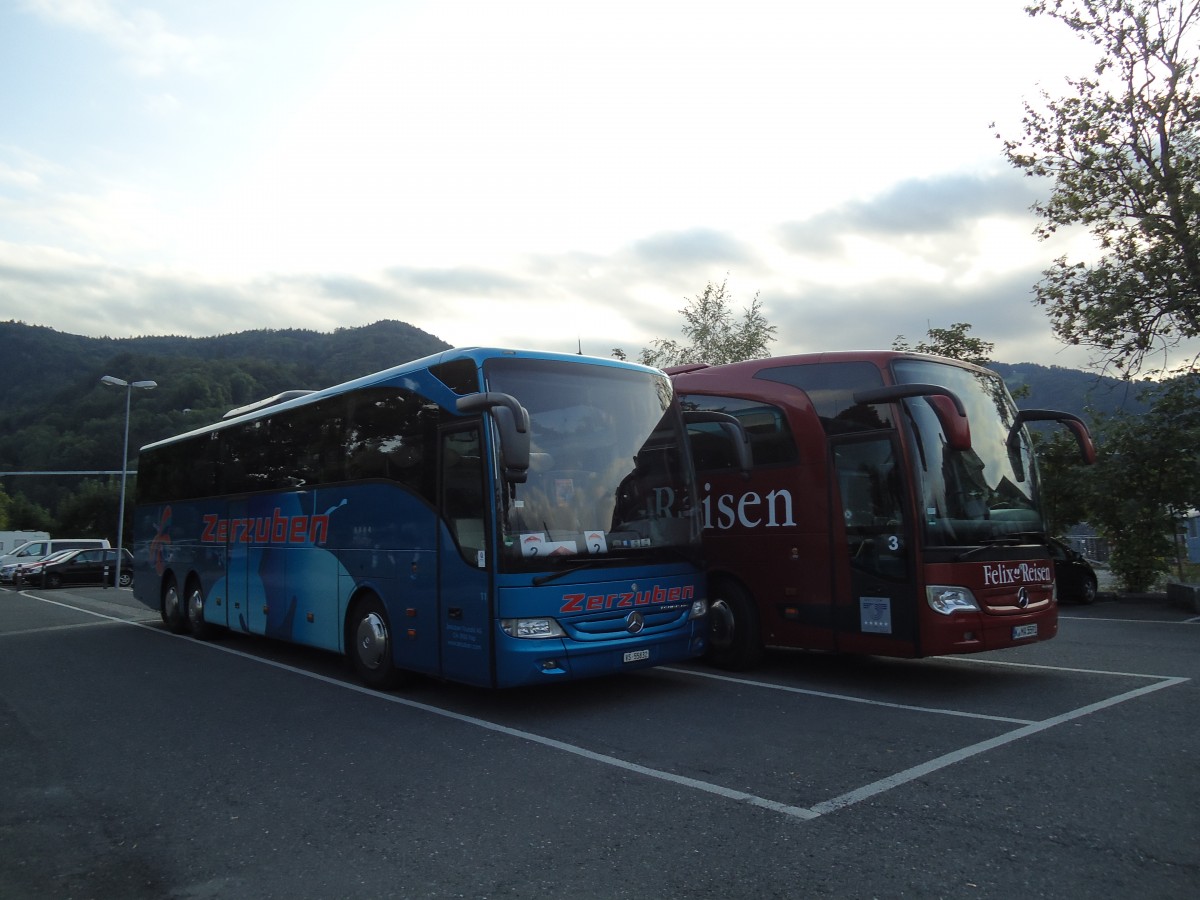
464 606
874 597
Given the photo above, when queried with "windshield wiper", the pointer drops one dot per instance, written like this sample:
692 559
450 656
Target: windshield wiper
552 576
1009 540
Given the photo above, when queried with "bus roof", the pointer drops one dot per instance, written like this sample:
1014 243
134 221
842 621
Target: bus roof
749 367
295 398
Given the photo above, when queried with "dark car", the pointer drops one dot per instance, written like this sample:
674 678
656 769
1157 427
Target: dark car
1074 575
30 572
85 567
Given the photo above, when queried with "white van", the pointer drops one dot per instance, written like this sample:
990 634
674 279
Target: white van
10 540
32 551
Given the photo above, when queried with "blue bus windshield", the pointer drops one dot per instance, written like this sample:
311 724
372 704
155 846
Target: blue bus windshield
608 478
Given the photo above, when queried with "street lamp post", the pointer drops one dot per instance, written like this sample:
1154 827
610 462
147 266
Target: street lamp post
129 386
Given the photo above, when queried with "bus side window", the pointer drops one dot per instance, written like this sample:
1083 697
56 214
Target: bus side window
462 491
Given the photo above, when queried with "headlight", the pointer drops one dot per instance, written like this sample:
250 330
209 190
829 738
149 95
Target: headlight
699 609
532 628
947 599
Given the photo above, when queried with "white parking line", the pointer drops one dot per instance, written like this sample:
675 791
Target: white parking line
847 698
976 661
1130 621
795 812
49 628
883 785
957 756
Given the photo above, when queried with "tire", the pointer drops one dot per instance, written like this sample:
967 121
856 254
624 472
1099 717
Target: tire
171 610
126 579
1087 596
369 644
53 580
194 611
734 641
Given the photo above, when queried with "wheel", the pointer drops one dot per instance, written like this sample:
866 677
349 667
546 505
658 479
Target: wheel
1088 594
194 611
126 579
172 609
369 644
53 580
734 641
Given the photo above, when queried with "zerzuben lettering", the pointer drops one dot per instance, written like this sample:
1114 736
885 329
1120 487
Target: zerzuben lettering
575 603
273 529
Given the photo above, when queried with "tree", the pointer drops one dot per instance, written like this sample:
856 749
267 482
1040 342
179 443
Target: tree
93 510
952 342
1066 481
25 515
715 337
1146 477
1123 152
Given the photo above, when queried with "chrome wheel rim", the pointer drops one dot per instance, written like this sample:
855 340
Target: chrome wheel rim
372 641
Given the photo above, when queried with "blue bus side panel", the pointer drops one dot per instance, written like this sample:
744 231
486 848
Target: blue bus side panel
466 632
287 565
406 581
237 581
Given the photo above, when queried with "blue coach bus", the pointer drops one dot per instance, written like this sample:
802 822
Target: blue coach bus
492 517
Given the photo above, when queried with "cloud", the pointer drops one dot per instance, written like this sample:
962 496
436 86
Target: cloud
870 317
967 260
916 208
690 248
466 281
146 43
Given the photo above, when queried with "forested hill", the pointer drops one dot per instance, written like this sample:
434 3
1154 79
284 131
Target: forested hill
36 360
1084 393
56 415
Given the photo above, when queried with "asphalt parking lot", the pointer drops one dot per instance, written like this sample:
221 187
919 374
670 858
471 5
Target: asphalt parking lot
148 765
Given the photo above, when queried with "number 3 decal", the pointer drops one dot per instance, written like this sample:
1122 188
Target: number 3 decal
893 542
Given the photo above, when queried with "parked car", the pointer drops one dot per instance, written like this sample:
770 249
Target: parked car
1074 575
30 572
86 567
40 549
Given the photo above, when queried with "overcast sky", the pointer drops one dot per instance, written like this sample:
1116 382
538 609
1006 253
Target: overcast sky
531 174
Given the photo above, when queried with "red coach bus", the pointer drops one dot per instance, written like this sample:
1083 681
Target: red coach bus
892 507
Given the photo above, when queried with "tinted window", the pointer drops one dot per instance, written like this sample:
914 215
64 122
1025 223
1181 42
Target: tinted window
460 375
179 471
831 387
392 434
463 499
374 433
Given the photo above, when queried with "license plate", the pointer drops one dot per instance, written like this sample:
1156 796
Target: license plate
1024 631
636 655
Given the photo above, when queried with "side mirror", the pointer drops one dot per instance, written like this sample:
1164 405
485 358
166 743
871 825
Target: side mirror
1083 437
733 431
512 420
946 405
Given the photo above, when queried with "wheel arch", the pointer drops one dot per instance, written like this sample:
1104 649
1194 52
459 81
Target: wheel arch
736 647
360 592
